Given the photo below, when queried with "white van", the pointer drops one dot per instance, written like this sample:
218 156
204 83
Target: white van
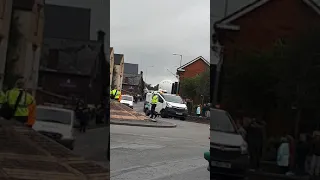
169 105
56 123
228 148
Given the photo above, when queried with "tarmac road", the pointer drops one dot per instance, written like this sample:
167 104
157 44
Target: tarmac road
159 153
144 153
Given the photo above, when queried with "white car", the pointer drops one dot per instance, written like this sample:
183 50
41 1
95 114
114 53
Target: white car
127 100
56 123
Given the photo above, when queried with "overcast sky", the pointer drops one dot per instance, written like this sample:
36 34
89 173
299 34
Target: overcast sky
148 32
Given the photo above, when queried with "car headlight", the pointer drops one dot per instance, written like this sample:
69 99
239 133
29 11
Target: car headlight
244 148
169 105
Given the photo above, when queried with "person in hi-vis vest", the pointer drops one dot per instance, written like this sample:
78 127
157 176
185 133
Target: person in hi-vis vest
154 102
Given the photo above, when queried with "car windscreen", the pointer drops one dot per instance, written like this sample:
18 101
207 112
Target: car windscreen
53 115
127 98
172 98
221 121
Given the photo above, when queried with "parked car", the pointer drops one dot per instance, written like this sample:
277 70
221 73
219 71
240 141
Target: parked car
56 123
127 100
228 148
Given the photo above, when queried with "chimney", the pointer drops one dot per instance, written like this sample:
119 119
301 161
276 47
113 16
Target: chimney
101 36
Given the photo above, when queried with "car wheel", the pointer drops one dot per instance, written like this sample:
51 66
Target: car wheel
183 118
163 114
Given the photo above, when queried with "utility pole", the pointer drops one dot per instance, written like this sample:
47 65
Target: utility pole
226 7
178 75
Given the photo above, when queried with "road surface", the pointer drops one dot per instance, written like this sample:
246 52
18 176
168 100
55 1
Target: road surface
159 154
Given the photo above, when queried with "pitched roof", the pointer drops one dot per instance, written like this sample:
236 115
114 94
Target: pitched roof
130 68
181 68
73 56
117 59
131 79
226 23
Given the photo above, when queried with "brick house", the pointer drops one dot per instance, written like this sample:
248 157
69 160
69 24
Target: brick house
131 83
193 68
257 27
118 71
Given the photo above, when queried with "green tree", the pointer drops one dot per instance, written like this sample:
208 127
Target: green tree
285 78
197 86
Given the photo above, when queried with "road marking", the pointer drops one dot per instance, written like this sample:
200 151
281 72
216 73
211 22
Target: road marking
159 169
148 136
137 146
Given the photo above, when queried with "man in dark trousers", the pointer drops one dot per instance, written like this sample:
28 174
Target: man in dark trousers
255 139
154 102
302 150
83 116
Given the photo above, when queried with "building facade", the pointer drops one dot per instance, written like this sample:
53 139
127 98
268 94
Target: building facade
118 71
256 28
28 17
193 68
111 64
5 19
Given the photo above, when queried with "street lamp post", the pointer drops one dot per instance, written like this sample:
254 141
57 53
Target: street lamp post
180 57
179 67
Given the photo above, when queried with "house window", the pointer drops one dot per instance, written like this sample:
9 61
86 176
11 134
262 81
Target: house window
3 8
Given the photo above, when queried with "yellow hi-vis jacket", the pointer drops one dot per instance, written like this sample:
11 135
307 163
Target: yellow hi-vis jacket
117 96
154 99
113 92
2 98
25 101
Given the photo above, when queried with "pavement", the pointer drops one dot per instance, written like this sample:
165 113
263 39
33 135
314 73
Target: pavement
146 153
123 115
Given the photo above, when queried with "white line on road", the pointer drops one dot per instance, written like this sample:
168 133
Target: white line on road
159 169
148 136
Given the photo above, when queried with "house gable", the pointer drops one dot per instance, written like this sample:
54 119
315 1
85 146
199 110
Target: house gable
227 22
200 58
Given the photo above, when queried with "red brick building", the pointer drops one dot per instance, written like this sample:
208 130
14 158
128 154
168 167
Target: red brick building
258 26
193 68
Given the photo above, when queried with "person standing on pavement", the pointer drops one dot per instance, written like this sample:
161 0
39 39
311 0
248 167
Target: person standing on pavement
19 100
32 113
315 161
255 138
198 111
302 150
83 115
117 94
2 98
154 102
283 155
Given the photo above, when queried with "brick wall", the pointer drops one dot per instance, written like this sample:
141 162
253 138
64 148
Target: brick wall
193 69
